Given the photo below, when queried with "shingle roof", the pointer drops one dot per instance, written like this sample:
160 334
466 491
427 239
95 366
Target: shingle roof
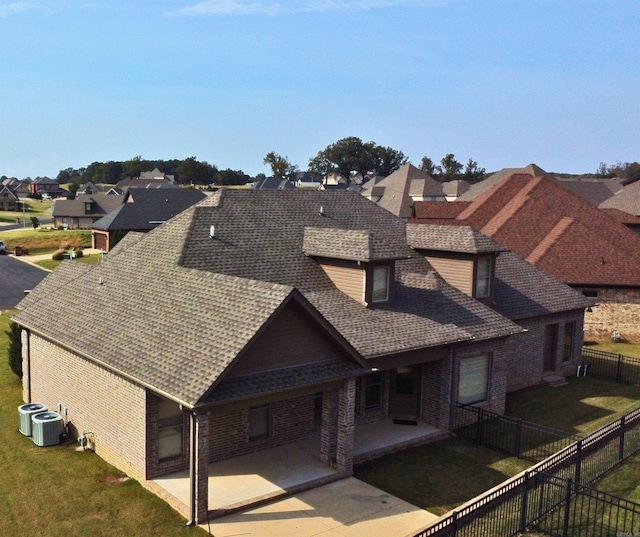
445 238
101 204
627 199
498 177
176 307
555 229
145 209
350 244
398 188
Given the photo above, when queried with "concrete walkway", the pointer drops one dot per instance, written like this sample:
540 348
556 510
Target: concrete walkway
346 508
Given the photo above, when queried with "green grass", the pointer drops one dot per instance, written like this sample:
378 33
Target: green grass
51 264
37 240
628 349
440 476
38 208
623 480
60 492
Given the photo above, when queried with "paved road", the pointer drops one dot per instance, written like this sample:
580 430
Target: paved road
11 227
15 277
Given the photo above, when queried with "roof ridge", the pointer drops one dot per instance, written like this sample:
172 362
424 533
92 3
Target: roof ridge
550 239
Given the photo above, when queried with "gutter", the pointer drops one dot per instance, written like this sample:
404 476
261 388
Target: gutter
192 470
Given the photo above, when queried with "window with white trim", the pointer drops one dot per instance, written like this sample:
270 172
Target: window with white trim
483 277
170 429
380 287
473 379
259 421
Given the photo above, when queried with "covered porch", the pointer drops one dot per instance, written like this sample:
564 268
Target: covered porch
250 480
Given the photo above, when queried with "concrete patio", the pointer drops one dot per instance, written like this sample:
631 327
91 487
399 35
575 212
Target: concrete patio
257 478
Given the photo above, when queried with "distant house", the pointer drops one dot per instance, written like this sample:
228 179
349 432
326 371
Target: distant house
258 319
306 180
273 183
9 200
47 187
142 210
627 199
157 175
152 179
563 234
89 188
83 211
19 188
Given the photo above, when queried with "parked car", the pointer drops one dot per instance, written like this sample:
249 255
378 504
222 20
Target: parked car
3 248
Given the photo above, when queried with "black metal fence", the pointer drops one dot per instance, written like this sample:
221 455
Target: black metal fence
516 437
553 497
624 369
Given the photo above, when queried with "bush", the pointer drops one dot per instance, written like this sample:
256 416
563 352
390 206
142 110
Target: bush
78 252
15 349
58 255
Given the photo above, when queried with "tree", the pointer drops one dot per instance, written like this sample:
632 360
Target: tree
351 156
451 168
388 160
14 351
427 165
280 166
35 222
472 173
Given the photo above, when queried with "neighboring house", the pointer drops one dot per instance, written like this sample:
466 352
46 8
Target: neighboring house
88 188
564 235
306 180
273 183
147 182
627 199
157 175
19 188
9 200
83 211
142 210
398 191
454 189
46 186
257 318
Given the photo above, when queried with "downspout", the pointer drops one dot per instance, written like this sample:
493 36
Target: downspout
28 366
192 469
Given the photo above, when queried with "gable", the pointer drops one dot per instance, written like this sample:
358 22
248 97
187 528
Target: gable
293 338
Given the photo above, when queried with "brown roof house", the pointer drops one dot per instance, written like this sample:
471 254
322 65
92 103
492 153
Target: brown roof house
142 210
83 211
306 329
561 233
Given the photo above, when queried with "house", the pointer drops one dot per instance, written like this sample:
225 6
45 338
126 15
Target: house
273 183
626 199
564 235
88 188
19 188
258 318
9 200
398 191
306 180
83 211
154 179
142 210
157 175
46 186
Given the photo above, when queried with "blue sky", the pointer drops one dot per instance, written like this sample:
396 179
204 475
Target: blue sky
506 82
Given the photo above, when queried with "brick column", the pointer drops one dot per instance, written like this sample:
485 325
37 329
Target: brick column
201 423
329 430
346 425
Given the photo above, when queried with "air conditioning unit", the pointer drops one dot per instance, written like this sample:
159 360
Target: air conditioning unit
46 428
25 412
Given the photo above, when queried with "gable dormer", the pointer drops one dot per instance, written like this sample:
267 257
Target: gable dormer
464 257
356 261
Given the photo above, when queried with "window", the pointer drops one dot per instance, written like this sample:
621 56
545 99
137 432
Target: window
567 348
405 381
483 277
591 293
87 207
170 429
380 290
373 391
473 381
317 409
259 421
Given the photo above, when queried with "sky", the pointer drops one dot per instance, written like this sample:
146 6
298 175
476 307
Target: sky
505 82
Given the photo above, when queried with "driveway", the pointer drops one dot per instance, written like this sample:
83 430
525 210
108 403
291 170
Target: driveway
346 508
16 277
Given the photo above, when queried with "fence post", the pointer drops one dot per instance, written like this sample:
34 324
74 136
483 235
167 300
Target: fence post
518 440
567 506
479 428
623 423
578 461
454 523
619 368
523 507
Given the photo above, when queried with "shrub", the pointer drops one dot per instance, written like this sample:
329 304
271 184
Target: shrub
58 255
78 252
15 349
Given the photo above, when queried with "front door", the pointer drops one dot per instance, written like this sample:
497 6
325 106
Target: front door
405 391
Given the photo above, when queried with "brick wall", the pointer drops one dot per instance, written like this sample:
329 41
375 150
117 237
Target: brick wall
436 393
109 406
525 352
618 310
291 419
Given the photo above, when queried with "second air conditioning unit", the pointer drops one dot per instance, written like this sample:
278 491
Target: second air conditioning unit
46 428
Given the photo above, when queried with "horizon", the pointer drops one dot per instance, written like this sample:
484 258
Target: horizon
227 81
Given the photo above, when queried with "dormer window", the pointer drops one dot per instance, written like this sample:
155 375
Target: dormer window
87 207
380 287
483 277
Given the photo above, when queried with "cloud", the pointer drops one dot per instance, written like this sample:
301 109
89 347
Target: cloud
9 8
250 7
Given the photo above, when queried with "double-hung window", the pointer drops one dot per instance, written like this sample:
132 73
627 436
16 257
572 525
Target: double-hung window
259 422
170 429
380 288
483 277
473 379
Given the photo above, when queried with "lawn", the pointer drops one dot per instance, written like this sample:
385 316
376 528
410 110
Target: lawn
89 259
440 476
42 240
62 492
627 349
33 207
623 480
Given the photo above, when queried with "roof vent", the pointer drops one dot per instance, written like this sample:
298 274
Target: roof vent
212 232
321 211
